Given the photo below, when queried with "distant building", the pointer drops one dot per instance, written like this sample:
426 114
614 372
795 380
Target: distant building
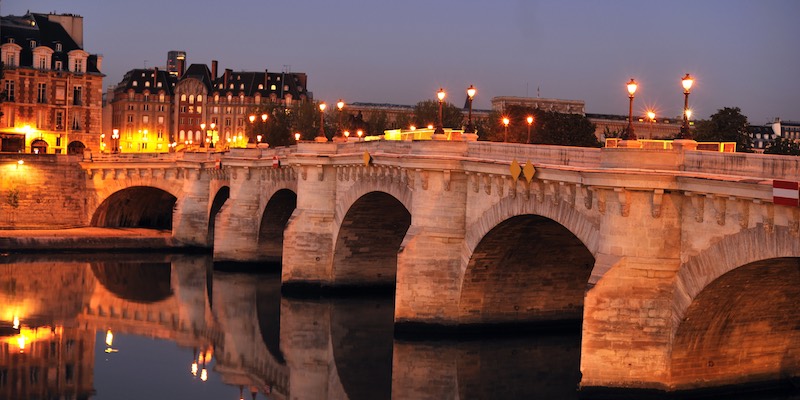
613 125
198 107
500 103
763 135
176 62
53 87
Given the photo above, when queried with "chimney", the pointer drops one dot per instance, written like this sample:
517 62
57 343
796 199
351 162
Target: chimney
155 77
213 70
266 78
181 67
226 77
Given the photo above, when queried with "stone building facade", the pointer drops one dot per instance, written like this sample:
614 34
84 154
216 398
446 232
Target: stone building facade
155 111
53 88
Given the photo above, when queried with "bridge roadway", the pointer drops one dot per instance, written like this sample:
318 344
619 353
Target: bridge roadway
683 271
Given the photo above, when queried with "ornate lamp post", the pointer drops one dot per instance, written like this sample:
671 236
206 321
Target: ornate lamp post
687 82
505 128
530 122
470 94
440 127
629 135
339 107
321 135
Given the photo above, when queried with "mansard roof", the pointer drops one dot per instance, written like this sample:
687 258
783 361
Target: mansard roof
137 79
39 28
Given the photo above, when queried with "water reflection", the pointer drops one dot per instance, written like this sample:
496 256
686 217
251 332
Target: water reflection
108 326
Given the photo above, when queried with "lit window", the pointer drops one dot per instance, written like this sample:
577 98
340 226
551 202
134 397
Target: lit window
199 98
183 97
273 87
58 46
135 83
146 83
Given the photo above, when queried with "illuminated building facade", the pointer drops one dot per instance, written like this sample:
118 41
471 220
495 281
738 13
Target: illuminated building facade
155 111
53 88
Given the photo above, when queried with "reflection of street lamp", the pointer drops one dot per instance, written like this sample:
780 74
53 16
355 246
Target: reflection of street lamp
687 82
321 135
440 127
629 135
505 128
530 122
470 94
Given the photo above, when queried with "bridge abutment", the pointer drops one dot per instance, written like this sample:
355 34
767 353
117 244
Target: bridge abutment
190 217
236 236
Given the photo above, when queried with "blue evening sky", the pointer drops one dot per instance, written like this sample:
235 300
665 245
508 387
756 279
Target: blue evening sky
743 53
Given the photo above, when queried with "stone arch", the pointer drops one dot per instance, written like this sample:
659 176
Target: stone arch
397 190
499 283
39 146
222 195
367 241
274 217
746 247
109 187
735 311
76 147
136 206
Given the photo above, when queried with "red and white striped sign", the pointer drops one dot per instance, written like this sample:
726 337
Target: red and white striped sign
785 193
275 162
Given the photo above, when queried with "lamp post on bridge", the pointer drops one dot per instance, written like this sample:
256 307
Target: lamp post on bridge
470 94
686 82
506 121
530 122
321 135
115 140
440 126
629 134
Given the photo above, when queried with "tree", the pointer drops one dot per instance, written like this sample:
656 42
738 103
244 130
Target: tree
549 127
427 113
283 122
783 146
727 125
378 122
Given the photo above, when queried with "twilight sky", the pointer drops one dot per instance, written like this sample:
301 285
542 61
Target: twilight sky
742 53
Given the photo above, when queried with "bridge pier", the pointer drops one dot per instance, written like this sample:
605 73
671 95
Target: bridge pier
309 235
190 217
237 224
429 264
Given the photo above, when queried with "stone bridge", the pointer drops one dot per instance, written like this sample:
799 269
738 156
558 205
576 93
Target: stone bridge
680 267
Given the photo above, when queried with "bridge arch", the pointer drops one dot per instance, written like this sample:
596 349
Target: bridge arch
735 311
274 217
369 236
137 206
223 194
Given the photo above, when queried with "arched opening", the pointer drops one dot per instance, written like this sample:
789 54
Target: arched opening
369 238
526 269
75 147
39 146
136 282
276 215
743 327
222 195
136 207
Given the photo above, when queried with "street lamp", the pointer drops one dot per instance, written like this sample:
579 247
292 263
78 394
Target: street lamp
211 133
339 107
629 135
530 122
440 127
505 128
297 136
115 137
687 82
470 94
321 135
651 115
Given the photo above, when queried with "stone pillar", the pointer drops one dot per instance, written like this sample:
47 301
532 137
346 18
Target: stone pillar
190 217
627 320
429 263
308 241
237 224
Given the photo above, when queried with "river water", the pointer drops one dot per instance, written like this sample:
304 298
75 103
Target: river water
172 326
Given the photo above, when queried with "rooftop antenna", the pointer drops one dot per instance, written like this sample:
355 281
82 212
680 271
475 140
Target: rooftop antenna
145 64
286 68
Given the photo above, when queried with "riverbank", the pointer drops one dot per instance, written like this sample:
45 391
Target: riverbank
88 238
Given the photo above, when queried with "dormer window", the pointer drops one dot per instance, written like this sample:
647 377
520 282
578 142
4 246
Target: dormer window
241 87
158 84
11 40
260 86
33 44
135 83
146 83
58 47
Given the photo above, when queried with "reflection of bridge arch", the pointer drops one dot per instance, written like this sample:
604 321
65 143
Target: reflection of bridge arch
138 206
735 310
135 281
369 237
